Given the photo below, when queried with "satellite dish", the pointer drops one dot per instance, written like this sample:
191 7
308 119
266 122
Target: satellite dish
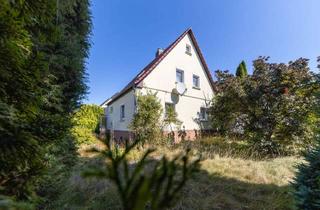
180 88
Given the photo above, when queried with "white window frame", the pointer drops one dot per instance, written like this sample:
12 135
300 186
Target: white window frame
205 118
198 78
182 75
122 112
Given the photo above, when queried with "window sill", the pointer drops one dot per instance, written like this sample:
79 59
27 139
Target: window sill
179 82
197 88
203 120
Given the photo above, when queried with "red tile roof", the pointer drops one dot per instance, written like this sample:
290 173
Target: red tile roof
154 63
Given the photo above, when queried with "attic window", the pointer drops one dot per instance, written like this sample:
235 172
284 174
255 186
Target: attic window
188 49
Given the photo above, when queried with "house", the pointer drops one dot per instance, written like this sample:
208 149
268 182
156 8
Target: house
181 78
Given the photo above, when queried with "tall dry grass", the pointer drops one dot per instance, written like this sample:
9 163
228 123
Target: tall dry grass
229 178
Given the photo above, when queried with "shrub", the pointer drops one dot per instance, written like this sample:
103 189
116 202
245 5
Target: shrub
146 121
86 123
307 181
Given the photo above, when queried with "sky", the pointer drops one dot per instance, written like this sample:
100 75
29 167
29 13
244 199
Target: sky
127 33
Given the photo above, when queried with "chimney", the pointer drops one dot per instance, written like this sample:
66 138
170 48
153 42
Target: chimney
159 51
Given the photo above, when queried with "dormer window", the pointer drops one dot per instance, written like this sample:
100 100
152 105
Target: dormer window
188 49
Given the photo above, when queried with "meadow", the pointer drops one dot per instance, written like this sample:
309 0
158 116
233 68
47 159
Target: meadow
228 178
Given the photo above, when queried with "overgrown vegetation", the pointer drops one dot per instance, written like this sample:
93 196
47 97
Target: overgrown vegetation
43 46
273 109
86 123
146 124
307 181
170 120
141 185
225 180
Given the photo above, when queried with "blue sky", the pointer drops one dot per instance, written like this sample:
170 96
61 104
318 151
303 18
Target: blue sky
126 35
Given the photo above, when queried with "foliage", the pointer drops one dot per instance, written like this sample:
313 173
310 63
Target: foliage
7 203
43 46
226 180
139 186
274 108
227 105
86 123
146 121
242 70
60 157
171 116
281 99
170 119
307 181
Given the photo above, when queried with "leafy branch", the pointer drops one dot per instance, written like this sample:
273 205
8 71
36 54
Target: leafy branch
147 182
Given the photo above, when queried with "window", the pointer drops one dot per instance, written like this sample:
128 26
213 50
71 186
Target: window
203 113
111 109
169 107
196 81
122 112
179 76
188 49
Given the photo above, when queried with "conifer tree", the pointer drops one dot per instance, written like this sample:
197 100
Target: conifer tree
242 70
43 46
307 182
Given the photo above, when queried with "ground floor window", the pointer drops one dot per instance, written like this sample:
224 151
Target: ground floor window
203 113
122 112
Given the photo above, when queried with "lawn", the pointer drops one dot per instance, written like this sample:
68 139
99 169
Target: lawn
225 181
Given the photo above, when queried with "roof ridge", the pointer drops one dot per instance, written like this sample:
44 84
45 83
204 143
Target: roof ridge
154 63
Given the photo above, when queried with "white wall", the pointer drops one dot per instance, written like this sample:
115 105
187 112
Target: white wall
113 119
163 79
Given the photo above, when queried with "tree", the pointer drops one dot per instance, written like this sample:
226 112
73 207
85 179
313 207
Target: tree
274 109
85 123
281 101
43 46
307 181
228 104
146 121
242 70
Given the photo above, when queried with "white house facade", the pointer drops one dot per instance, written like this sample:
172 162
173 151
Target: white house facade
181 78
